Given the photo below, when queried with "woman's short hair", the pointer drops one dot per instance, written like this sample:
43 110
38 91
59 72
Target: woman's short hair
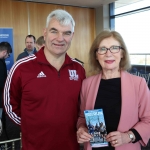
95 67
62 16
40 41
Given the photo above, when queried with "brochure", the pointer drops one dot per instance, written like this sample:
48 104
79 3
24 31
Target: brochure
96 127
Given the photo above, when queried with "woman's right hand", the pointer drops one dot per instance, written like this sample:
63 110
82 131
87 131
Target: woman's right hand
83 135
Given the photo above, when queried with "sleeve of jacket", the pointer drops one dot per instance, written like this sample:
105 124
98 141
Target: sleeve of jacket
143 126
12 94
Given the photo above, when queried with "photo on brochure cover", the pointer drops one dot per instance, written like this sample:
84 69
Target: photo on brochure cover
96 127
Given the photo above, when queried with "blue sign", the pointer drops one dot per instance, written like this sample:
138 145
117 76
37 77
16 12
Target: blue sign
6 35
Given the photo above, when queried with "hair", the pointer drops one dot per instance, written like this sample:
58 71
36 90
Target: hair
95 67
30 36
5 46
62 16
40 41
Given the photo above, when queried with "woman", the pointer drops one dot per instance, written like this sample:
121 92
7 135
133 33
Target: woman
124 98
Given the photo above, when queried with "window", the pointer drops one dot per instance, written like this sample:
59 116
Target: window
131 6
133 23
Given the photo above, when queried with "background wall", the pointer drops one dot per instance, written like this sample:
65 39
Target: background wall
30 18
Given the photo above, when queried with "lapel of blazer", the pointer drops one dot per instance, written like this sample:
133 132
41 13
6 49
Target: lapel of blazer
128 100
94 83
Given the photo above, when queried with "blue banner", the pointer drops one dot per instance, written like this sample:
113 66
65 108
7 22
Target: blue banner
6 35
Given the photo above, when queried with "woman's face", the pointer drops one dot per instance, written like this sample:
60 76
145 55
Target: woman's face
109 61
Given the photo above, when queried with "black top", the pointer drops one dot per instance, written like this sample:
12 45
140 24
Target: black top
3 76
109 99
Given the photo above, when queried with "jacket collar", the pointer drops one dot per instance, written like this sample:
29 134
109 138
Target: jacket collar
42 59
34 50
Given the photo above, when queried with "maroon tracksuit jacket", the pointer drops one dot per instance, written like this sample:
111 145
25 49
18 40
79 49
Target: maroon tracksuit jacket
44 102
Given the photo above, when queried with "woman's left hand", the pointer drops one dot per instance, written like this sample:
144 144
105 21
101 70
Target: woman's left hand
117 138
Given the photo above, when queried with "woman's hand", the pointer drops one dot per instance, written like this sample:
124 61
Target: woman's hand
83 135
117 138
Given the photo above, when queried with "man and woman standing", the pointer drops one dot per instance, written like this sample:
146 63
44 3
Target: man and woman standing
42 92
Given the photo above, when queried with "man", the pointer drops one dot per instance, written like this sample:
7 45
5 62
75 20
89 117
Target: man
5 50
42 90
30 47
40 42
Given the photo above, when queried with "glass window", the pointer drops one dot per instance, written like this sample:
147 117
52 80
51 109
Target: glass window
138 59
133 23
135 29
131 6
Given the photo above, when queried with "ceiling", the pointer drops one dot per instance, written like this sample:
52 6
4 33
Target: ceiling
120 3
85 3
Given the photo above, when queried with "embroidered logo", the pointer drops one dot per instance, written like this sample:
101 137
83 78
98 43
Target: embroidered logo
41 75
73 75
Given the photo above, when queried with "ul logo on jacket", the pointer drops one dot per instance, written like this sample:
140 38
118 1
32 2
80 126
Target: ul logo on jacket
73 75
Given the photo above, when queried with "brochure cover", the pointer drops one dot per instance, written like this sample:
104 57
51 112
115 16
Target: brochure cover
96 127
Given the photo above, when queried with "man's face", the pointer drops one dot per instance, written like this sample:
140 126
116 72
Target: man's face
4 54
29 43
58 37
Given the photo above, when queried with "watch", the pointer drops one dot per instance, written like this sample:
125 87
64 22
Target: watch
131 136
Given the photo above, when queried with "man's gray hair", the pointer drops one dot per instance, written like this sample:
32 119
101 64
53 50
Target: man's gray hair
62 16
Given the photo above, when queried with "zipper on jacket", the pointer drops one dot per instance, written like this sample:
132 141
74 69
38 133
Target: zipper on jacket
58 73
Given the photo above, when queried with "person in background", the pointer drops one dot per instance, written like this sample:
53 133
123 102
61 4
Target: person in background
5 50
30 47
40 42
43 90
124 98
